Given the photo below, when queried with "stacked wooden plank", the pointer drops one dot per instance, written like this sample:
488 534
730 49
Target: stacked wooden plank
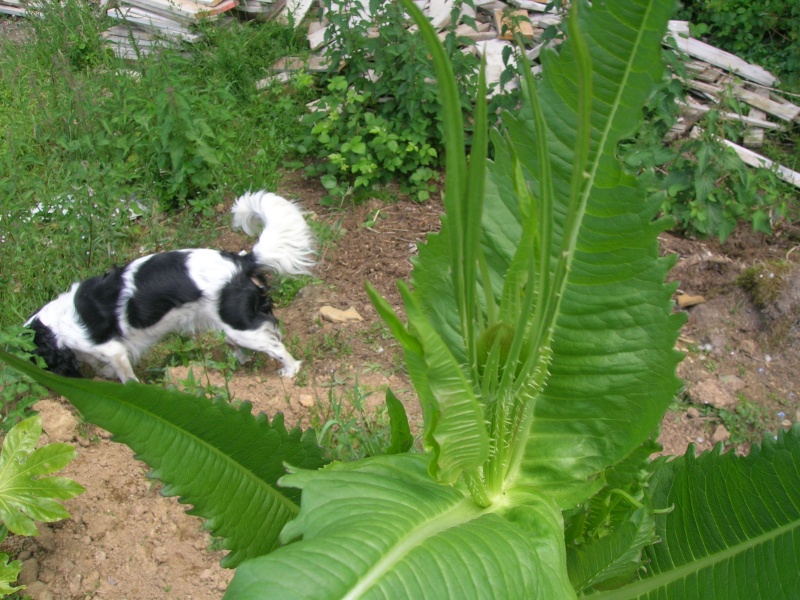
15 8
147 25
714 78
714 75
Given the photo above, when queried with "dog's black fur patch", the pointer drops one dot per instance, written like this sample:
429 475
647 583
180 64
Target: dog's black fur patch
162 284
61 361
96 304
245 302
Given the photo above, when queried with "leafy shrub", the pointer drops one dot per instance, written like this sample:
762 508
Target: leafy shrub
379 118
766 32
705 186
548 259
176 130
70 28
364 148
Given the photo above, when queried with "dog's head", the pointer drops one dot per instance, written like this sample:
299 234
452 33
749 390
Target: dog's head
59 359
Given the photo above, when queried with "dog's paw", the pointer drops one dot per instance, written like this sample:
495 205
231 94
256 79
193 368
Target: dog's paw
289 370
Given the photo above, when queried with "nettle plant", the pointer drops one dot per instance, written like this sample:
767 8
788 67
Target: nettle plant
378 119
540 341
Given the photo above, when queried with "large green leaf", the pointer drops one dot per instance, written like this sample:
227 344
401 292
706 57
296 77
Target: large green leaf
382 528
612 342
733 528
26 495
223 460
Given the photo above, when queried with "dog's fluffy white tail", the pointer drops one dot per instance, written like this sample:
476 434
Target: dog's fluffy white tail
286 243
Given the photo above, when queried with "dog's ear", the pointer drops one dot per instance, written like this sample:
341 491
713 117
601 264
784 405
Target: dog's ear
59 360
261 279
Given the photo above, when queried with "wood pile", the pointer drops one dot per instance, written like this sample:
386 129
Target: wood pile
15 8
146 25
714 75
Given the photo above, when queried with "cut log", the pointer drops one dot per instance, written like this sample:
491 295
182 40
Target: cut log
316 38
753 121
439 13
529 5
678 27
152 22
14 11
492 50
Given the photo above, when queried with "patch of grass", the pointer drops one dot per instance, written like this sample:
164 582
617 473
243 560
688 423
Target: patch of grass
317 346
93 151
765 281
284 289
746 421
347 427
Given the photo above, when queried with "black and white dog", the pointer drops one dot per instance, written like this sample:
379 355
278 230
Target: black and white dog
110 321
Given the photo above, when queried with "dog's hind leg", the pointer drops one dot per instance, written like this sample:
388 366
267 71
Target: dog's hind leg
267 340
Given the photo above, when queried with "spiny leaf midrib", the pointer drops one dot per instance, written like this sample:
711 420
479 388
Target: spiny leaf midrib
665 578
462 512
610 120
248 474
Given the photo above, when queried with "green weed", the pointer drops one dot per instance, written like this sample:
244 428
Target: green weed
746 421
346 427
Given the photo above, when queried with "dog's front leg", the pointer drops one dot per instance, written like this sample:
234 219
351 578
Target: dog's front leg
266 340
115 360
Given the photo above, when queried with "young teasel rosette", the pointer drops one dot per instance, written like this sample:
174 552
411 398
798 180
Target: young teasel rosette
539 340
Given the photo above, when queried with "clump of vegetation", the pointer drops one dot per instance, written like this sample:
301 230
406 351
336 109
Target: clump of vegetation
29 491
378 117
775 289
766 281
766 32
702 182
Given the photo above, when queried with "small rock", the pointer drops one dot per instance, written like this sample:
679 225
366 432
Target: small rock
38 591
307 400
46 576
334 315
709 391
786 423
732 383
29 572
721 434
160 554
692 413
687 300
749 347
75 584
58 423
91 581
